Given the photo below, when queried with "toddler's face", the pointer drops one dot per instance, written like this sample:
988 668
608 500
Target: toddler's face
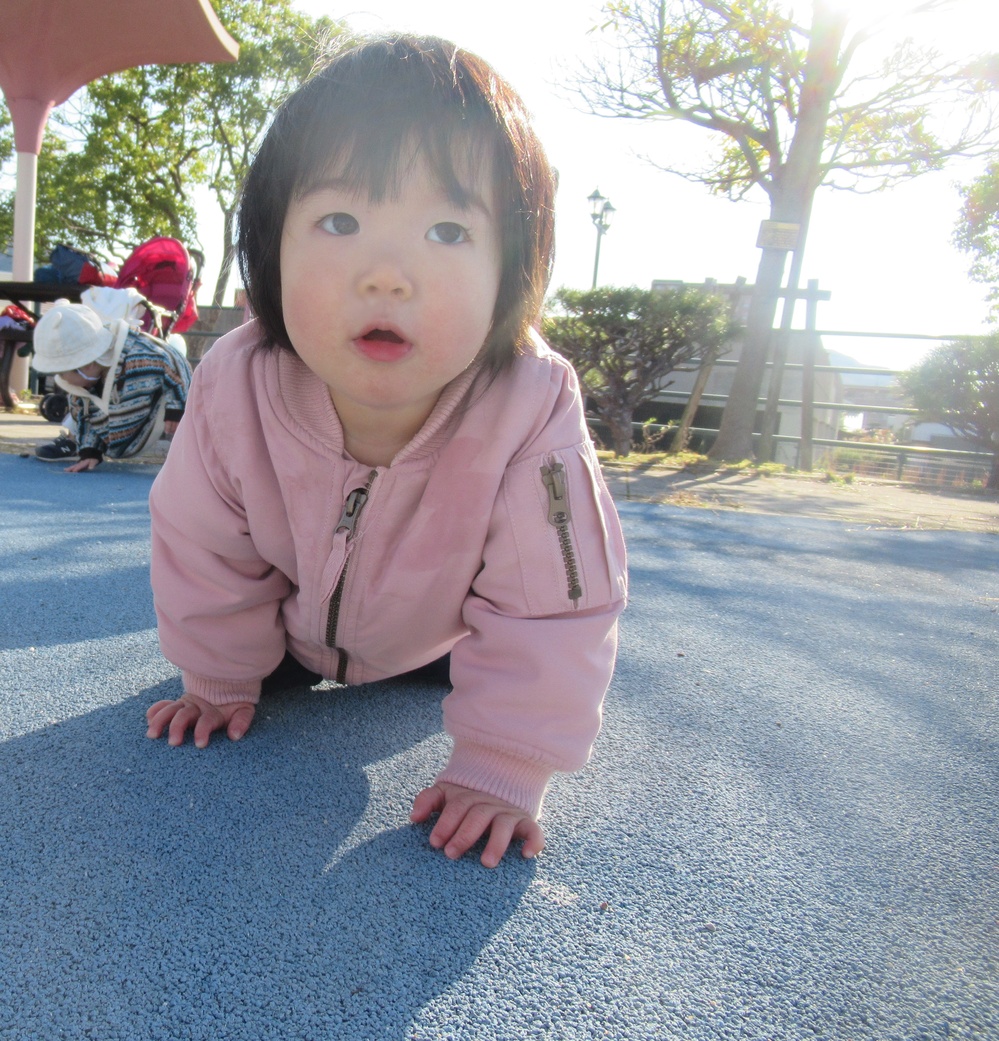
388 302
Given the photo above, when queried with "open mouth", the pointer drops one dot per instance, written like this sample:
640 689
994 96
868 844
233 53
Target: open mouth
382 344
382 336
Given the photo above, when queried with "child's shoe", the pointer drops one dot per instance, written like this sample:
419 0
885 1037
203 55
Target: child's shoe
63 448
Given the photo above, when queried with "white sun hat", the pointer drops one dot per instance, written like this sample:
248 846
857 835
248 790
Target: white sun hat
69 336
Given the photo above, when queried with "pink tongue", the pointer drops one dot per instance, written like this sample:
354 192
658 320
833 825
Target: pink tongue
383 336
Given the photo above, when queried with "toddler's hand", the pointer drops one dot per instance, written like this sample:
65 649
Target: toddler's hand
190 709
466 815
83 465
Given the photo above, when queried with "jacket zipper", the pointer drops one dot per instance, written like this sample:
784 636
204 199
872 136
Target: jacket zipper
348 522
559 516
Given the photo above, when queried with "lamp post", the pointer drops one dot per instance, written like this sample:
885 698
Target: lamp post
601 212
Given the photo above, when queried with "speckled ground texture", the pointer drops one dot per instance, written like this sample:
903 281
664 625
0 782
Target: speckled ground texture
787 831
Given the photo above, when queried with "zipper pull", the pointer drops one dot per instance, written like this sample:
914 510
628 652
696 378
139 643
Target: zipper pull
353 506
558 504
351 511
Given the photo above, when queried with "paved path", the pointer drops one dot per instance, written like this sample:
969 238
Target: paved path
863 501
788 829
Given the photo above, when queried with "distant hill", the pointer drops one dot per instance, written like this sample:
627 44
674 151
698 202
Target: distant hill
854 379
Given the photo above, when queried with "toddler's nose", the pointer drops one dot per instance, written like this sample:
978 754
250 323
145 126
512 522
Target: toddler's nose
386 277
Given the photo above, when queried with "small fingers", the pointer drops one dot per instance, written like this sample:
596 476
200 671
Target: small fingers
186 715
507 827
240 722
457 831
159 715
155 708
533 835
426 803
205 723
192 711
500 833
82 466
451 816
466 815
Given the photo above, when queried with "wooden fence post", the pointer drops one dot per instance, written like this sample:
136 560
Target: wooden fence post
808 377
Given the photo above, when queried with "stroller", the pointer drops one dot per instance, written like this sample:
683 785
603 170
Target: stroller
166 274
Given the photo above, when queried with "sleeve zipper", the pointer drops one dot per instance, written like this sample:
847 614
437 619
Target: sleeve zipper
559 517
351 514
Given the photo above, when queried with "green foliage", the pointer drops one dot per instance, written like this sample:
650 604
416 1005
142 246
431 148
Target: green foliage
117 165
625 342
234 102
751 465
977 231
6 197
6 135
958 384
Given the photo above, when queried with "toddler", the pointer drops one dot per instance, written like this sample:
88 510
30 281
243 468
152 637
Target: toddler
387 465
125 389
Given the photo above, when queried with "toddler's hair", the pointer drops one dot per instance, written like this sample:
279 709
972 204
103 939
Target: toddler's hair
362 118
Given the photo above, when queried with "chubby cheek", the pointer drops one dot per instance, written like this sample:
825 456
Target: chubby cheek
462 327
303 313
464 310
300 290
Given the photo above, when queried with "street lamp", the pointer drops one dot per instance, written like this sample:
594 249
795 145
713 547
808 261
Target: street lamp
601 212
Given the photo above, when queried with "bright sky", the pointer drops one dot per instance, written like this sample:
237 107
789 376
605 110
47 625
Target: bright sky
887 258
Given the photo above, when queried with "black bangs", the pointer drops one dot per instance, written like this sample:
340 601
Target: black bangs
376 166
368 133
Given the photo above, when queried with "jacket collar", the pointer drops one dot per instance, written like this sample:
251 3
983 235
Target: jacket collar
308 406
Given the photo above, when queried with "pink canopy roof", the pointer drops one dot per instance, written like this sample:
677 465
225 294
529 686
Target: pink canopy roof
51 48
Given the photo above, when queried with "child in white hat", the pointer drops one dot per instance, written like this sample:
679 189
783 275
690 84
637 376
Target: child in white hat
126 389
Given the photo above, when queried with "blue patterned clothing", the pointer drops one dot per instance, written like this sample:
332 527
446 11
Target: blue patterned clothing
126 413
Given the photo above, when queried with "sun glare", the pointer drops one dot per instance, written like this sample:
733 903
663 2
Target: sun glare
896 17
954 27
880 10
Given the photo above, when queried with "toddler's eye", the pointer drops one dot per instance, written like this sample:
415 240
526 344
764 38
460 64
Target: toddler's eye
340 224
448 233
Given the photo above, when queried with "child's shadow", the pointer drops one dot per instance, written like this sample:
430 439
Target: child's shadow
272 885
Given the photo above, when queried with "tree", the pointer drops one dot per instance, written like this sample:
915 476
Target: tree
978 230
119 163
624 342
6 198
957 384
778 97
121 160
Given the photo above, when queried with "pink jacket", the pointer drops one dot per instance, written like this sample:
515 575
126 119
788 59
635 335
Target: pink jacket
491 535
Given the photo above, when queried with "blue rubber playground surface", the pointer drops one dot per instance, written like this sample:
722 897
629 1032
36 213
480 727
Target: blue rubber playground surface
788 829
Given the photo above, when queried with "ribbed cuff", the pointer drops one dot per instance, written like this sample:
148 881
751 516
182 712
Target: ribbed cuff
520 782
222 692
